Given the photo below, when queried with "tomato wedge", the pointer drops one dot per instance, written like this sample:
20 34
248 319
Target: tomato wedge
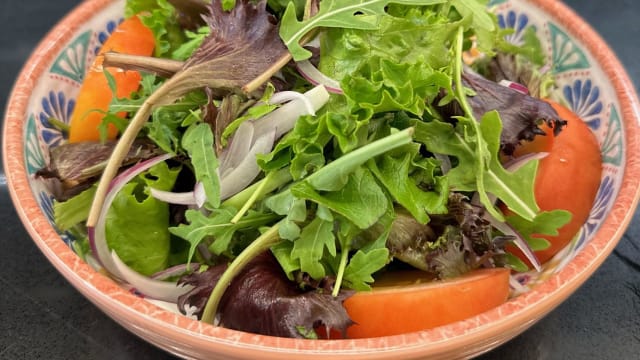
94 97
568 178
404 303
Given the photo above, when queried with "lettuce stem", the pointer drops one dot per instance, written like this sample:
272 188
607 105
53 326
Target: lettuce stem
262 243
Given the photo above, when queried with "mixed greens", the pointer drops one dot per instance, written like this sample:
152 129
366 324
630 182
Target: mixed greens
309 146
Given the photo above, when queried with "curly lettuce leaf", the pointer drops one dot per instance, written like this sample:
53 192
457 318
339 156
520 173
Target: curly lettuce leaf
346 14
399 38
382 85
159 16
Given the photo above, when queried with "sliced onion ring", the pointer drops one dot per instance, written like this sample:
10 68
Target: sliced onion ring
97 235
240 177
199 194
520 161
284 118
180 198
285 96
238 148
175 271
314 76
515 86
519 241
156 289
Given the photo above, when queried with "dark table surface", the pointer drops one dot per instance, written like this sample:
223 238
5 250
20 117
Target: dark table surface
42 316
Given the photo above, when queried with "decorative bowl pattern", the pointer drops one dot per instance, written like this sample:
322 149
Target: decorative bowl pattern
590 81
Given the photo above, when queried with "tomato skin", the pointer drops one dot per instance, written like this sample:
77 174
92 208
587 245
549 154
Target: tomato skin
396 307
568 178
94 97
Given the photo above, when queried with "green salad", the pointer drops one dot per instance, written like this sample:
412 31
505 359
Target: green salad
314 143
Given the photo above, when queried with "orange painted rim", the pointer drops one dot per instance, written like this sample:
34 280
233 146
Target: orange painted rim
172 332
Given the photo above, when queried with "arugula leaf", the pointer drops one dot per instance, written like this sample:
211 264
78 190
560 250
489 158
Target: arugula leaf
361 199
198 142
348 14
514 188
217 225
294 210
310 247
476 9
545 223
394 171
362 265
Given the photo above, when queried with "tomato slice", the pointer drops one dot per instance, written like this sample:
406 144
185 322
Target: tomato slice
94 97
568 178
406 302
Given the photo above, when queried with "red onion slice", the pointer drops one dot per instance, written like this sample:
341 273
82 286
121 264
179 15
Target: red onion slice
180 198
515 285
199 194
285 96
515 86
520 161
156 289
97 235
174 271
238 148
314 76
519 241
240 177
284 118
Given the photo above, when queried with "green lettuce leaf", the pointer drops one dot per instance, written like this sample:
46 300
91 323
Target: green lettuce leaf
73 211
361 199
137 223
396 171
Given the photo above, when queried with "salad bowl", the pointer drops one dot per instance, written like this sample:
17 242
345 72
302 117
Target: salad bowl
590 80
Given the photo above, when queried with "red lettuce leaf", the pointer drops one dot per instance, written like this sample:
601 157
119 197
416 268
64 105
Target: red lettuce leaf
262 300
521 114
78 165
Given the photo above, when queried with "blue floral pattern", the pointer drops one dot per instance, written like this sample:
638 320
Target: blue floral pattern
602 204
517 22
104 34
55 105
584 99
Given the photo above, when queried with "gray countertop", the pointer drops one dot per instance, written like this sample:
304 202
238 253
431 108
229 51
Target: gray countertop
42 316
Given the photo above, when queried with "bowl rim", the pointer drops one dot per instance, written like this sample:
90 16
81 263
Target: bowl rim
161 325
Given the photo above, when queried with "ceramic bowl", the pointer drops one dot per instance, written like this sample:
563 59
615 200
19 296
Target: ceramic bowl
590 80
